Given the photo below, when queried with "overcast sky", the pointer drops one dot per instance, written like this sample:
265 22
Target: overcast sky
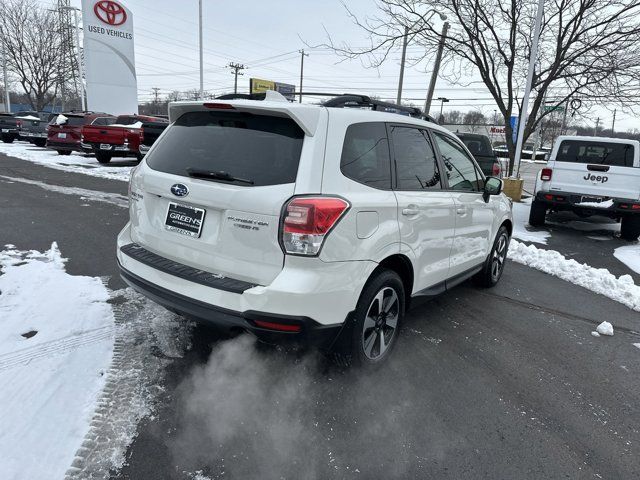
265 37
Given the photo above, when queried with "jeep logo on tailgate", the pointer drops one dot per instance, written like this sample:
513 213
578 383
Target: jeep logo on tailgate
594 178
179 190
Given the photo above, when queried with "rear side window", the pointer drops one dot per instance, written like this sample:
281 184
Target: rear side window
416 164
365 155
260 148
604 153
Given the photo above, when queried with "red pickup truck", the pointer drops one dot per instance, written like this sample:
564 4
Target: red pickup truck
121 139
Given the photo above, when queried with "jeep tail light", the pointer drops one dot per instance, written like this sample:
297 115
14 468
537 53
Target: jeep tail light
496 170
307 221
545 174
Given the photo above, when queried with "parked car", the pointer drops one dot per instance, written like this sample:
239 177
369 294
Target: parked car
149 133
308 223
502 151
480 147
10 124
65 130
120 139
591 176
34 128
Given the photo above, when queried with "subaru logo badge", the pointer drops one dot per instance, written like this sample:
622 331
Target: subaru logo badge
179 190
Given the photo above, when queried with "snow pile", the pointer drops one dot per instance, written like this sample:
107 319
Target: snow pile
605 328
520 219
75 162
630 256
607 204
598 280
56 341
129 125
61 119
29 117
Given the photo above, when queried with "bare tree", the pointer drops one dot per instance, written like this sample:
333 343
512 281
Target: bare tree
31 38
589 49
474 117
452 117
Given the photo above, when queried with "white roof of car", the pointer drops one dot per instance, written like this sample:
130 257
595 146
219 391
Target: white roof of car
595 139
305 115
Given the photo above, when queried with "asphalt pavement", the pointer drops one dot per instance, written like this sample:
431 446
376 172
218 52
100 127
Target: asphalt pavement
500 383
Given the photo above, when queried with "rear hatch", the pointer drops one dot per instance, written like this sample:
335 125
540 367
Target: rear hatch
596 168
104 134
69 132
238 168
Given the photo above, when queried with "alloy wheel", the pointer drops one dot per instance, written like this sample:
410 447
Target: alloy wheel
381 323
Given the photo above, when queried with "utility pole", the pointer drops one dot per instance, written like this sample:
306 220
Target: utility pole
404 56
436 68
200 47
595 130
302 55
613 123
80 67
155 95
7 101
236 67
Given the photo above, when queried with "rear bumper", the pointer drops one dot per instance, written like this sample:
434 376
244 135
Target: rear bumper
313 295
122 150
611 207
64 146
303 330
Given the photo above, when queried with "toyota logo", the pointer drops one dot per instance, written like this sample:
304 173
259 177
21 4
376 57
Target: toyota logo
110 12
179 190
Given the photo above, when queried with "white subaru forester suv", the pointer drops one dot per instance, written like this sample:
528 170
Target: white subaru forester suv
308 223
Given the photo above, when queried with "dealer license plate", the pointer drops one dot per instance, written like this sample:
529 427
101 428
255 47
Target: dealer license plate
105 146
184 219
62 135
591 199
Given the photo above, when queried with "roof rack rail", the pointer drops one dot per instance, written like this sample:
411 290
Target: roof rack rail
350 100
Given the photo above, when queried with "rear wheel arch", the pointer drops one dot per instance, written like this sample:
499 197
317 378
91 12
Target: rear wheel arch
508 224
403 267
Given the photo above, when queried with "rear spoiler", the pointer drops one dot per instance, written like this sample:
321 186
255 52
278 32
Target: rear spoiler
307 117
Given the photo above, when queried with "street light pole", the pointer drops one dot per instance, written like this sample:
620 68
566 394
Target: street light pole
525 101
443 100
200 47
302 55
405 41
436 68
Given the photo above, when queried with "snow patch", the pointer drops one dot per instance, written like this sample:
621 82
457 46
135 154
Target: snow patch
521 221
598 280
605 204
50 382
630 256
605 328
75 162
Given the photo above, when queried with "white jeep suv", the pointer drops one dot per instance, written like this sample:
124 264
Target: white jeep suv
307 222
591 176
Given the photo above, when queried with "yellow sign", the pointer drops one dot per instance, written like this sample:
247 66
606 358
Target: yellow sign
259 86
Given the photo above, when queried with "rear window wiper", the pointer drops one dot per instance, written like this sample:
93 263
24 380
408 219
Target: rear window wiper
216 175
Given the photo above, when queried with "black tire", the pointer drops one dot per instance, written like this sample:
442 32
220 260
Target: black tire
8 138
368 347
40 143
630 227
537 214
493 266
103 157
64 152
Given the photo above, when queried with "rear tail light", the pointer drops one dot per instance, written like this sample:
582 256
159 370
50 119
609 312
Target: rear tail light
307 221
496 170
280 327
545 174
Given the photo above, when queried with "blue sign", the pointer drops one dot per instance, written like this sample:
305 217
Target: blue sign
513 121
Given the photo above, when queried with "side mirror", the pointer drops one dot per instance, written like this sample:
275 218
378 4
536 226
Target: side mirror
492 186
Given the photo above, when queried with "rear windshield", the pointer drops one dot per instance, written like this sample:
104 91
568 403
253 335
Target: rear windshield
73 121
104 121
263 149
480 146
605 153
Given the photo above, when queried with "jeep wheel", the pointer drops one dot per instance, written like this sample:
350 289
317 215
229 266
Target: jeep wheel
103 157
630 227
378 317
493 266
537 214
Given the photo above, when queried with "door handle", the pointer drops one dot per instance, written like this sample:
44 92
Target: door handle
461 210
411 210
